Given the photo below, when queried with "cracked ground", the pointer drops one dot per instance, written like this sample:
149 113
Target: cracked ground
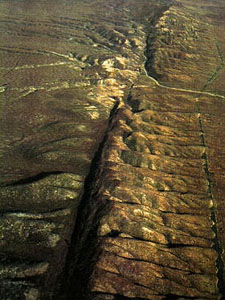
112 150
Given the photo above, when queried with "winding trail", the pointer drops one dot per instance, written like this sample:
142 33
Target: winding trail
180 89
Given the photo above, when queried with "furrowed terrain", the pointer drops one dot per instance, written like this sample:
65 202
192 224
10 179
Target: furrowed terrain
112 150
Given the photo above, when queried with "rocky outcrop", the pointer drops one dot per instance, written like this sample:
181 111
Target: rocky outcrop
111 150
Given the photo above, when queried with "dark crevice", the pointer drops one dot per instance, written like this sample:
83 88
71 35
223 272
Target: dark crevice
34 179
84 247
127 135
102 295
217 246
113 233
168 245
177 245
158 264
140 110
127 202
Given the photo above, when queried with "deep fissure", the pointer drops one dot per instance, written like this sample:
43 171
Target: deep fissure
79 240
83 250
217 247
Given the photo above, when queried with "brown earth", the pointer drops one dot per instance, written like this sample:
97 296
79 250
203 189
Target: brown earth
112 151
